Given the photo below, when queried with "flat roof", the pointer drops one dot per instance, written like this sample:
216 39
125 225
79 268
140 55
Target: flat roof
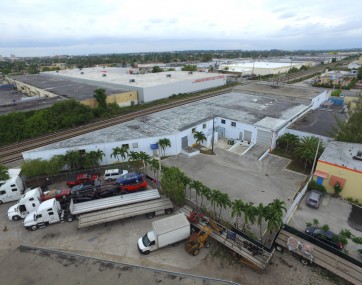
322 121
67 87
262 64
239 107
118 76
280 90
341 153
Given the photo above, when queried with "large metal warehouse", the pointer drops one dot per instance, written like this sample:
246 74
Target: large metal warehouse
149 86
257 119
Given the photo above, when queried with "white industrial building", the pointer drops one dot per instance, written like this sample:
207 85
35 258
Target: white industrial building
256 119
149 86
260 67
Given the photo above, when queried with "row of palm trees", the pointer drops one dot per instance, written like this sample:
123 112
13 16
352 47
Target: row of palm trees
271 214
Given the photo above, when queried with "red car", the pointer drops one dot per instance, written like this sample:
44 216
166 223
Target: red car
142 185
55 193
82 178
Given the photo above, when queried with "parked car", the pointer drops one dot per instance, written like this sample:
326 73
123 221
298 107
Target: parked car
108 193
140 185
326 237
86 187
114 174
129 178
55 193
314 199
82 178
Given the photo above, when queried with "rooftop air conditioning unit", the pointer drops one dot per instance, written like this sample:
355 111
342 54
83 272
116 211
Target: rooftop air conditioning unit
168 75
132 80
190 72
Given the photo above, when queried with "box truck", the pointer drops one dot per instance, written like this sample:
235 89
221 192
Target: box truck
27 204
165 232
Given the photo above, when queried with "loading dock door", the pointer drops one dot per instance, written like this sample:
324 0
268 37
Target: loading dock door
184 142
220 132
247 136
263 137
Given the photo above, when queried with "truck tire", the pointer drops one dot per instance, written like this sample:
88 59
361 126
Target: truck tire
16 218
146 252
70 218
195 252
1 202
109 180
304 261
34 228
279 248
150 215
168 211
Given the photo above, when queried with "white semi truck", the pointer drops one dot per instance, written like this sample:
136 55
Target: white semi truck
167 231
101 210
13 188
26 204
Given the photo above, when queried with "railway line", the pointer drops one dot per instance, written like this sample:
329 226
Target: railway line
12 153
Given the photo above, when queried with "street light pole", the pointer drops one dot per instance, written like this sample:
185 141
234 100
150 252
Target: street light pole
315 157
213 135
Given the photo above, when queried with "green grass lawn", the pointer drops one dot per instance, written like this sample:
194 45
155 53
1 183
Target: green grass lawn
295 164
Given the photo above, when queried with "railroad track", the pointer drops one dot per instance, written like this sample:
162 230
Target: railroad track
12 153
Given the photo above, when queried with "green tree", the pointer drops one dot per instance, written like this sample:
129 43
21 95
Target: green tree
351 130
307 148
73 159
156 69
34 167
205 193
214 198
200 137
197 186
274 215
145 159
260 213
4 173
288 141
172 184
101 97
163 143
237 207
188 67
186 181
56 164
223 202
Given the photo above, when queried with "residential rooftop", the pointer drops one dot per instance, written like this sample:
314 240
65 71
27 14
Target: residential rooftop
249 109
341 153
117 76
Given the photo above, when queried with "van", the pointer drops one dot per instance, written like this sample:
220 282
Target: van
114 174
11 190
314 199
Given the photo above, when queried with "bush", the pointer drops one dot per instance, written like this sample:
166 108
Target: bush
313 185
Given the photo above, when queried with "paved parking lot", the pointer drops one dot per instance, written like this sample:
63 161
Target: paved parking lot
334 212
242 177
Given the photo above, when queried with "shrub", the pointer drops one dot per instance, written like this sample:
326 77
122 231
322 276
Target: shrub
313 185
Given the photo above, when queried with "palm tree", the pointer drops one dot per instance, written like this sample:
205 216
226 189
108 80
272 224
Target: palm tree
145 159
119 151
260 212
223 202
72 159
236 210
116 152
163 143
155 166
274 215
214 198
186 181
197 185
249 215
200 137
307 148
205 192
288 141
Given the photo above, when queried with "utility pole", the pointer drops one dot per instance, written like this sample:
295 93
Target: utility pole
315 157
213 135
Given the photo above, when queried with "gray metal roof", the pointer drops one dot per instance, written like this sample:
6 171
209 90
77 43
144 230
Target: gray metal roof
341 153
75 88
248 109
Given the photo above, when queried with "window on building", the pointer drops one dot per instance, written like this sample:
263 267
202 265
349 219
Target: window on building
223 121
204 126
233 124
135 145
126 145
193 130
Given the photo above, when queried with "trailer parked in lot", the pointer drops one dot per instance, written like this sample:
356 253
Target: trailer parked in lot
100 210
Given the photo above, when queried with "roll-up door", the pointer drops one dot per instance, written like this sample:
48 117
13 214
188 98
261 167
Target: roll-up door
263 137
247 136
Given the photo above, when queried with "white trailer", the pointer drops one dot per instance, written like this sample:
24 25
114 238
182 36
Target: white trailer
26 204
165 232
11 190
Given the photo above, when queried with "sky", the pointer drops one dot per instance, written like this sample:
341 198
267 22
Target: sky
81 27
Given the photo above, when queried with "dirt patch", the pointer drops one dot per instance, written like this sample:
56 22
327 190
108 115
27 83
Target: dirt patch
354 219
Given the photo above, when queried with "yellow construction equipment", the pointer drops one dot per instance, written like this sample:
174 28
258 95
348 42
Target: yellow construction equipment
198 240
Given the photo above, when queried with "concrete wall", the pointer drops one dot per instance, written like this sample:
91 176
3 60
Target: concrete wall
121 99
352 186
234 132
29 90
320 99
